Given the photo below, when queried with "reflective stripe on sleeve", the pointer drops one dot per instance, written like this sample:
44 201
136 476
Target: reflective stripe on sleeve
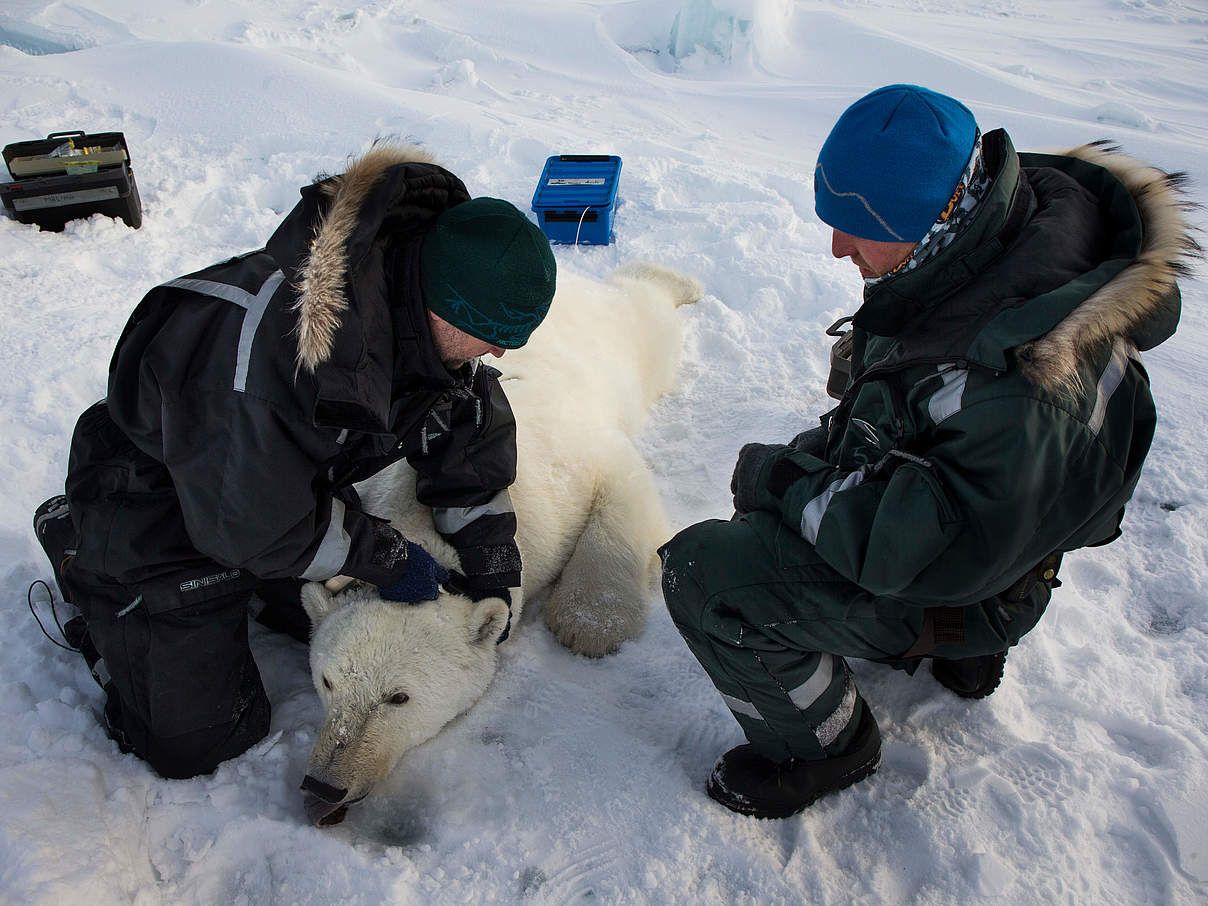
329 559
1109 382
450 520
811 515
946 401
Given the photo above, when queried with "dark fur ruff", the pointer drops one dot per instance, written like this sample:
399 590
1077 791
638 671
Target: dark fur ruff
1051 361
322 279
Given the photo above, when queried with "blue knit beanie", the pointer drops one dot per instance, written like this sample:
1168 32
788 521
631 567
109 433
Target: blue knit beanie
891 163
488 270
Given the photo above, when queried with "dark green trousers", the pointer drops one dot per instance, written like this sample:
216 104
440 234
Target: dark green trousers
771 623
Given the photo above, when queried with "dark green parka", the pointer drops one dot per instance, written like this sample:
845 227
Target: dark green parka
997 411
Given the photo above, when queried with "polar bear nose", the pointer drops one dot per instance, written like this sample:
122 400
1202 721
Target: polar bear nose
324 791
323 802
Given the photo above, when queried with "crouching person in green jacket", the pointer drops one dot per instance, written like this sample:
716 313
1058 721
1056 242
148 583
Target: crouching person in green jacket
996 416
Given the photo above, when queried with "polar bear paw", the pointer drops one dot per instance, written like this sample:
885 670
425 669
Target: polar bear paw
594 625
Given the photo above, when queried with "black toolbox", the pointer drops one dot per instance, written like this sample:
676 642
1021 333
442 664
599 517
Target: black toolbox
68 175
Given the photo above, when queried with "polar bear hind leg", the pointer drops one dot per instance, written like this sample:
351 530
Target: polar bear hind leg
601 598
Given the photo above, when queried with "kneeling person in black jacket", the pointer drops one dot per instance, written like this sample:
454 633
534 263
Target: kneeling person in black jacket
246 399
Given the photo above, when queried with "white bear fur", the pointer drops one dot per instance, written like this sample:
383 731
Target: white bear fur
589 519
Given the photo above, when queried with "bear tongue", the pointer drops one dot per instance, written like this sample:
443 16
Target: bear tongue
324 805
331 819
321 812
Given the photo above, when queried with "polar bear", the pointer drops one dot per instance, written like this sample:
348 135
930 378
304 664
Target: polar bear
589 518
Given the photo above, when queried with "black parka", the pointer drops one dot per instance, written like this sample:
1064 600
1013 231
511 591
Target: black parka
268 384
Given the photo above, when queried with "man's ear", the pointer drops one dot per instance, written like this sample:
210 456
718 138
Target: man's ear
488 618
317 601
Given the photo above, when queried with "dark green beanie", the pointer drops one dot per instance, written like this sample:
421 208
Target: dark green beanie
488 270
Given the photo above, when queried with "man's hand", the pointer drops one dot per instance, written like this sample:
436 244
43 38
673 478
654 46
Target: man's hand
749 493
421 581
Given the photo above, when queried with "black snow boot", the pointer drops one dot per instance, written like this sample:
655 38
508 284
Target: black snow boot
970 677
55 532
748 783
75 632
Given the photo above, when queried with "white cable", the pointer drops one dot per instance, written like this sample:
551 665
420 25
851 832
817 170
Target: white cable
580 226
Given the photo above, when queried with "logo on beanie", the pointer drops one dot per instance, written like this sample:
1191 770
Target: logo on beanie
503 326
819 170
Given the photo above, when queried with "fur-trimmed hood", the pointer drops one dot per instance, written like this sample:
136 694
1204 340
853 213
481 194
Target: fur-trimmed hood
1143 292
335 234
321 280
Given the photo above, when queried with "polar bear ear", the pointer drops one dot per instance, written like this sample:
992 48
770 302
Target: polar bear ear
488 619
317 601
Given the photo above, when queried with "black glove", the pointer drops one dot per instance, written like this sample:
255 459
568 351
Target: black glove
421 581
748 493
283 611
812 441
459 584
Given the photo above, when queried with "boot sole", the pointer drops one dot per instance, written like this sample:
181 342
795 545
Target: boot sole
980 692
47 519
54 508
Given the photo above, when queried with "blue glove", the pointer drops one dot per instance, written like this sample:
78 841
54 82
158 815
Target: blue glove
421 581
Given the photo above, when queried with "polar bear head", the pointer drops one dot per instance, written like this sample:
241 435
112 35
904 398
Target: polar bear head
389 676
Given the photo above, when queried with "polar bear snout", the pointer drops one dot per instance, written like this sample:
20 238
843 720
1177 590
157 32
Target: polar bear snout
324 791
324 803
389 676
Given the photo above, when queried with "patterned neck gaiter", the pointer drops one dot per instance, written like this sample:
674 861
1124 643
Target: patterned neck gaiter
970 189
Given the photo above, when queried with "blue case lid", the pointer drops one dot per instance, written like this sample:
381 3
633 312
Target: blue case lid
578 180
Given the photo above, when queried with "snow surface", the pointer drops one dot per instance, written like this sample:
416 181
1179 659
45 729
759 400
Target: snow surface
1082 780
